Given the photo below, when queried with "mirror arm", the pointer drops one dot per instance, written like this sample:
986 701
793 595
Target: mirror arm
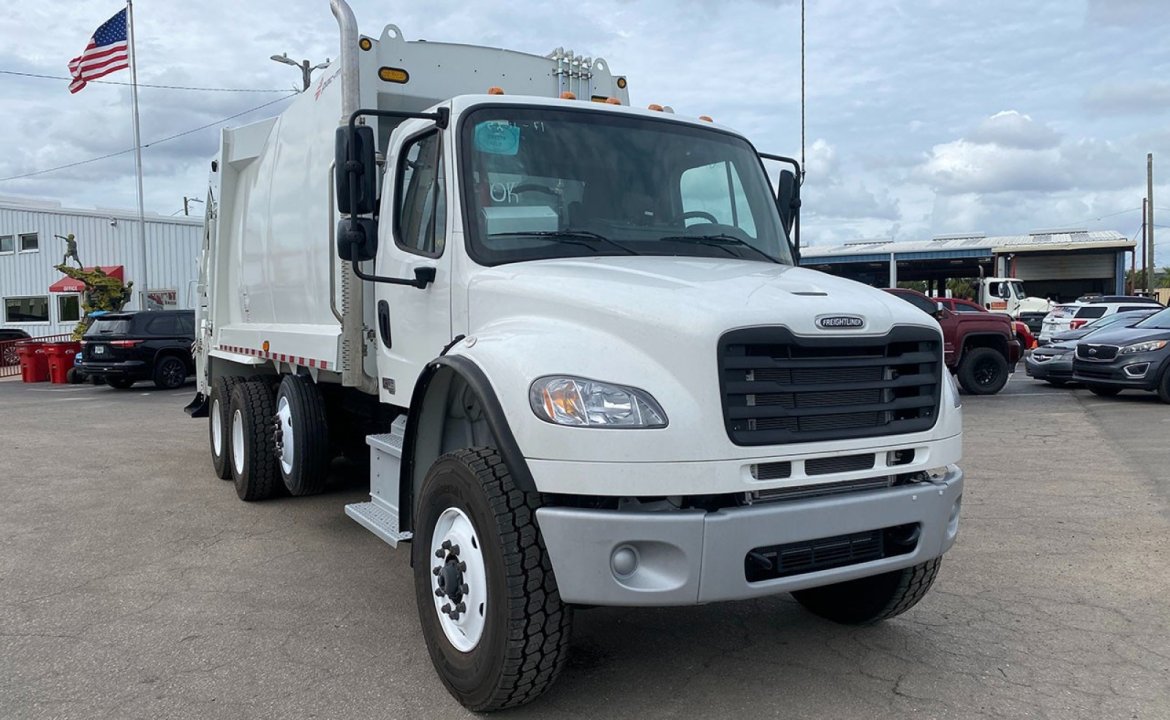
423 276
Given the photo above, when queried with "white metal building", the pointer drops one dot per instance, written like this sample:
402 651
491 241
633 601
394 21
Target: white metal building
40 300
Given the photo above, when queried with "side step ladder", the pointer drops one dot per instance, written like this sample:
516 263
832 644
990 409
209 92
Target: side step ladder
380 514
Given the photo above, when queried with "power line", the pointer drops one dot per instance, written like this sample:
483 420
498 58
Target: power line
149 144
143 85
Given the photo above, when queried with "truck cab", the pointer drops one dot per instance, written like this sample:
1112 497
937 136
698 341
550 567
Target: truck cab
1007 295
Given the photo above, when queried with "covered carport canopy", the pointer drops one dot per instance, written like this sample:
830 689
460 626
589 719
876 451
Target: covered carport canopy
1072 261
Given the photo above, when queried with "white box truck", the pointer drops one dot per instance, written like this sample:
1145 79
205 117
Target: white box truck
572 341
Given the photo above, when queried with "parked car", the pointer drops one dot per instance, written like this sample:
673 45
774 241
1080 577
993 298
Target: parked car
1136 358
959 305
8 340
1053 363
1078 314
123 348
980 348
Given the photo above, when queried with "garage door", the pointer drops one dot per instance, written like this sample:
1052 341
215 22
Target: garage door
1069 266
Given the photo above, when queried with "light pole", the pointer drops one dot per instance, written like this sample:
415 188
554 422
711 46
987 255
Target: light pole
306 67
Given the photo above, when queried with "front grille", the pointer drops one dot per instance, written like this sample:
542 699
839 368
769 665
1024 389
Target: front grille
844 463
772 471
1094 373
781 388
802 492
1100 353
777 561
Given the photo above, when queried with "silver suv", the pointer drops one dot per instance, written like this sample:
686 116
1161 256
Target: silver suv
1072 316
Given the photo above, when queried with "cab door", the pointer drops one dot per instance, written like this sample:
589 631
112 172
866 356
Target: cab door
413 325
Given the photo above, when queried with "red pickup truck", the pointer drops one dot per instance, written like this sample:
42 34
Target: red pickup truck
980 348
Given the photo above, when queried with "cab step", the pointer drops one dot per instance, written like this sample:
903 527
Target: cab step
380 514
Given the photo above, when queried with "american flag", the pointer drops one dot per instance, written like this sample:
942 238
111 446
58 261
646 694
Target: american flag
106 53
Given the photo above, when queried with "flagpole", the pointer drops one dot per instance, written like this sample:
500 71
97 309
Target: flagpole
141 259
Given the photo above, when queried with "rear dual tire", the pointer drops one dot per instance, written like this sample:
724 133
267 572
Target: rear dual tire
302 436
252 444
219 425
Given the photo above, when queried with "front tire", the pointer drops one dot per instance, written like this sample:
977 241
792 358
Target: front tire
302 436
872 599
1164 386
983 371
253 445
495 627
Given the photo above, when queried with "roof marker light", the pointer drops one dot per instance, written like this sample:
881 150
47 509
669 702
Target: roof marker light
567 95
495 90
655 107
706 118
612 101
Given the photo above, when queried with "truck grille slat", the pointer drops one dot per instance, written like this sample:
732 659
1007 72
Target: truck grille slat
777 561
780 388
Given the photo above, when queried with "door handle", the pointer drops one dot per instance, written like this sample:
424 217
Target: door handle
384 322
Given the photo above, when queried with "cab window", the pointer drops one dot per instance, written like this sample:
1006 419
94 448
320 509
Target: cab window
422 204
714 194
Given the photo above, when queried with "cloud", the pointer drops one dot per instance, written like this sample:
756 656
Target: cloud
1012 129
1141 97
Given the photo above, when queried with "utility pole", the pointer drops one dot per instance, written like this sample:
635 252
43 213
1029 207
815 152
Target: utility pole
305 66
1145 258
186 207
1150 220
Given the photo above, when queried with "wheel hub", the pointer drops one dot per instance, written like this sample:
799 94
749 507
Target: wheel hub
460 590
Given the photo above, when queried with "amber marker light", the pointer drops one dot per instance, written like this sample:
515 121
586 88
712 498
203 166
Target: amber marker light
394 75
495 90
365 44
566 95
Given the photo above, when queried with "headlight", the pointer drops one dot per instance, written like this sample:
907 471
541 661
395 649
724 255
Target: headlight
587 403
954 388
1142 347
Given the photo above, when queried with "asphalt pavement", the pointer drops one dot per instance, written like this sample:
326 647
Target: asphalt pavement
133 584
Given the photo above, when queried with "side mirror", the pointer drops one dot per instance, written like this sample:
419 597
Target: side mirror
357 239
360 197
940 310
788 200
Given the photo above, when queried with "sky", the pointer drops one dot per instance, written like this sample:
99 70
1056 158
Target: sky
923 117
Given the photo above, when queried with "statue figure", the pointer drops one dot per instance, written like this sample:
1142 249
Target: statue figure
70 249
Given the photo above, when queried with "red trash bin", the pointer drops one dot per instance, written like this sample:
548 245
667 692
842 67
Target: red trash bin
34 364
60 359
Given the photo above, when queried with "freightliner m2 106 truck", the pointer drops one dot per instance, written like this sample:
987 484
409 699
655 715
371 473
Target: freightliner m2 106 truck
570 338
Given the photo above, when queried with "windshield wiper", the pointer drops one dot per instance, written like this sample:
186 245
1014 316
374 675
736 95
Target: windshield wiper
721 241
577 237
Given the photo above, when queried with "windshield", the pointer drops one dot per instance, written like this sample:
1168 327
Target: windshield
546 183
1017 289
1157 321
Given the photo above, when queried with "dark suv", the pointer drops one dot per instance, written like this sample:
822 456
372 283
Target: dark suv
1136 358
125 347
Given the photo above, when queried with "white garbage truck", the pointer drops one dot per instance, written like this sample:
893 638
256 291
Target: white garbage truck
571 341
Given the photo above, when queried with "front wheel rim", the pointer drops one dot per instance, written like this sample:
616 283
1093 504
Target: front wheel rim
173 373
986 373
459 579
238 442
287 443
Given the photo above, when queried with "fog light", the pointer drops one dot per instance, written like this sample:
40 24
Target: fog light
953 521
1138 370
624 561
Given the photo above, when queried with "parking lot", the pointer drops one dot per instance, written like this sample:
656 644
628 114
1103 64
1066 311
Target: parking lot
133 584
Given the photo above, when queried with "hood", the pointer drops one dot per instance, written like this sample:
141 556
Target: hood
681 296
1035 304
1126 336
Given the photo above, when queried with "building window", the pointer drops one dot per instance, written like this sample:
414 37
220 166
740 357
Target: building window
29 242
27 309
68 308
7 244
